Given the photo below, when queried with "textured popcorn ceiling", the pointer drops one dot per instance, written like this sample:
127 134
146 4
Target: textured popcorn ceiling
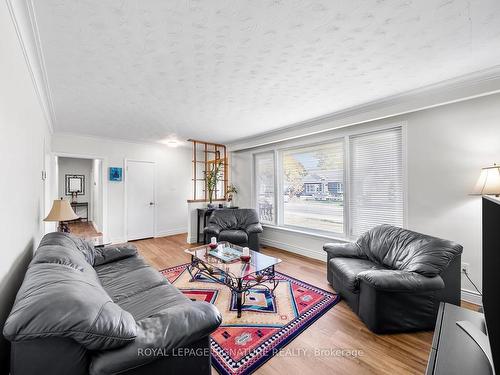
223 70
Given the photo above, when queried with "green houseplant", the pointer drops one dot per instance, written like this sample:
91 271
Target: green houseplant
212 176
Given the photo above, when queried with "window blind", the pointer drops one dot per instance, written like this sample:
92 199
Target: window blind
376 180
264 186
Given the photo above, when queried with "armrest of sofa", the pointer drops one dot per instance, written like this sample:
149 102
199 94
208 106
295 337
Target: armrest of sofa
400 281
113 253
254 228
170 329
212 229
343 250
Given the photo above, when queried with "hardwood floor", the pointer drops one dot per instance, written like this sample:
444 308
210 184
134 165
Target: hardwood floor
83 229
339 328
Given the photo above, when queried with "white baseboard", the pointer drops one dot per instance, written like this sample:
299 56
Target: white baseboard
192 239
118 240
472 297
95 226
170 232
162 233
320 255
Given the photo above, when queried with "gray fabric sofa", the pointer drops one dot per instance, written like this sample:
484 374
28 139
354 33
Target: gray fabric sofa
394 278
238 226
84 310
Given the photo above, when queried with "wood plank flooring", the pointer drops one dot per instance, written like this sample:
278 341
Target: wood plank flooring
83 229
339 328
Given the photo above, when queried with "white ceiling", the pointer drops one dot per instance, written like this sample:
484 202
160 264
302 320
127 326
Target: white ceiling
222 70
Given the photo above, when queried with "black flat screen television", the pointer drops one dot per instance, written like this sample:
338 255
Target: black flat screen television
491 275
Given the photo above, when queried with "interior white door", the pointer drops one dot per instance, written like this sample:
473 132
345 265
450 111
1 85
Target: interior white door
140 199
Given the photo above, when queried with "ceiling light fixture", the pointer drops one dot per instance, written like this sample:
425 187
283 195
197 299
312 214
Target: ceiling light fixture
171 142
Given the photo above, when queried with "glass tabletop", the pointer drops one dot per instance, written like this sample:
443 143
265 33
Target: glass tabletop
236 268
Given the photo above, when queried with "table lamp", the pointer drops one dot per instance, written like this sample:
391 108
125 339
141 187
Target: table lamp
61 212
488 182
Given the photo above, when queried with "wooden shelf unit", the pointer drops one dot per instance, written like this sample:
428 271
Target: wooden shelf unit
208 154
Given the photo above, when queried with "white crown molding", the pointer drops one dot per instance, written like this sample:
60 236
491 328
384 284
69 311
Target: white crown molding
181 145
29 41
41 61
474 85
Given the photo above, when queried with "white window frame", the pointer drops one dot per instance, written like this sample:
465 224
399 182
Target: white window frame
343 134
255 198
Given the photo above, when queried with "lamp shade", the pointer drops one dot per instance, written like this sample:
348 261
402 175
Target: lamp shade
488 182
61 211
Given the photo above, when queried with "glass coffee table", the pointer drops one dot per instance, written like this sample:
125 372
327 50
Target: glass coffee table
237 275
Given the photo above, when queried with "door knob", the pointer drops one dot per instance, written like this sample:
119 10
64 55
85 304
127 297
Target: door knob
151 203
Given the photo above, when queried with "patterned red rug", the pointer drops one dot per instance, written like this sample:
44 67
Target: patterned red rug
241 345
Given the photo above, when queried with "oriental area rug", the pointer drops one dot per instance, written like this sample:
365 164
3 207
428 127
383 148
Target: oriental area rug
241 345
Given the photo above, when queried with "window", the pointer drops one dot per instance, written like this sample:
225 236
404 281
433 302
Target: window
312 191
344 187
264 186
376 174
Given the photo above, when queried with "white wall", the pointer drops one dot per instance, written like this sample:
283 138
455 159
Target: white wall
173 179
24 138
446 147
79 167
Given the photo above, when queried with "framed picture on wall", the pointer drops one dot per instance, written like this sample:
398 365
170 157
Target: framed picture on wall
115 173
75 184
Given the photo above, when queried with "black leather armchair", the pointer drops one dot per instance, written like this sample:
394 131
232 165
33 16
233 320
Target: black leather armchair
394 278
238 226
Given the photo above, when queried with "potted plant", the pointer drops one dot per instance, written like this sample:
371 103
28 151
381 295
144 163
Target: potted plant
212 176
231 190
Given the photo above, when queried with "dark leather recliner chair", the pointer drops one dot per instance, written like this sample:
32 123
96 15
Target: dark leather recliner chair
83 310
394 279
238 226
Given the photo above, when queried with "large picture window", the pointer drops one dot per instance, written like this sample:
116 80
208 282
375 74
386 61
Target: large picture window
343 187
312 189
264 186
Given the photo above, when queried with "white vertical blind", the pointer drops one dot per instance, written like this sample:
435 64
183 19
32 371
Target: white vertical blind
264 186
376 180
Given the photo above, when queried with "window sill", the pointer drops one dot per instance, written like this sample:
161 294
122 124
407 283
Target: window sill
307 233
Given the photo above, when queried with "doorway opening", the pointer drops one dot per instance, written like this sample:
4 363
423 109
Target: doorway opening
80 180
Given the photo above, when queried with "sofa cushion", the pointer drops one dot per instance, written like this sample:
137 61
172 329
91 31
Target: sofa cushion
151 301
224 219
129 276
61 296
346 270
402 249
64 248
401 281
234 218
175 327
234 236
57 300
245 217
113 253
